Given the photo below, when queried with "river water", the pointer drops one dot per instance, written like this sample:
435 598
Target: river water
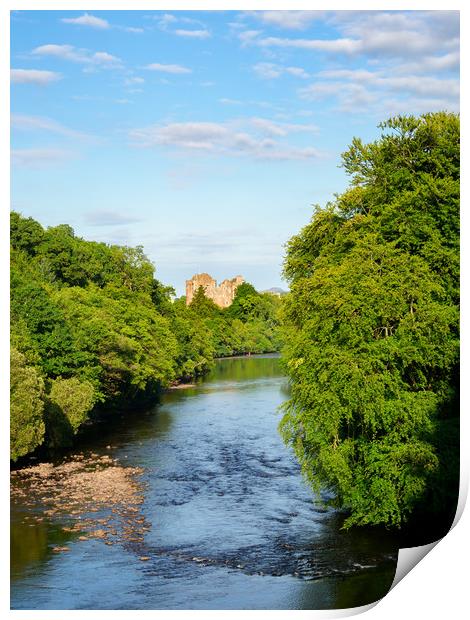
230 524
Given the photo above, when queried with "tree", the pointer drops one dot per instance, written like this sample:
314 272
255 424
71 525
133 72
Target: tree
202 306
25 233
372 325
26 406
69 403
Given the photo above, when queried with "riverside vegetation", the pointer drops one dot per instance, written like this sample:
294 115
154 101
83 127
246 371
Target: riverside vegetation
92 330
370 326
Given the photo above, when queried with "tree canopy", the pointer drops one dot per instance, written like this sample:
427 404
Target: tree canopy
371 326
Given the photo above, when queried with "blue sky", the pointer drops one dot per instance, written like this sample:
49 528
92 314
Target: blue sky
207 137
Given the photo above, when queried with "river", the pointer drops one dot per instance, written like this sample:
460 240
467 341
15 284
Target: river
227 521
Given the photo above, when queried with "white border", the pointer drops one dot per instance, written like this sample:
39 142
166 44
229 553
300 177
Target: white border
438 586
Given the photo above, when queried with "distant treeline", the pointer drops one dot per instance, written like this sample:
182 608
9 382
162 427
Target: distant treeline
92 329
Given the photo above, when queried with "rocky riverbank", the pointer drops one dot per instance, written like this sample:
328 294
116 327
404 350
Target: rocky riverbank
92 496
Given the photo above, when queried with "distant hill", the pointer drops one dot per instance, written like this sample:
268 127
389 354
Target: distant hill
275 290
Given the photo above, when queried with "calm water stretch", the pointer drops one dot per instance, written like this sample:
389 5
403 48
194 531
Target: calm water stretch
228 522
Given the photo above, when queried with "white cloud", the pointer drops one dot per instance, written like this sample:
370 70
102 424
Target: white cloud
345 46
294 20
247 37
87 20
81 56
378 34
23 122
130 81
401 34
168 23
381 91
419 105
165 20
34 76
416 84
105 58
297 72
109 218
66 52
276 128
37 158
175 69
194 34
350 96
255 138
98 23
445 62
228 101
269 70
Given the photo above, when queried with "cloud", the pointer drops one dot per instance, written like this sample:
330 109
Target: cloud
168 23
165 20
131 81
228 101
194 34
97 23
87 20
105 58
81 56
379 34
344 46
401 35
254 137
277 128
416 84
293 20
445 62
109 218
39 123
34 76
268 71
38 158
174 69
247 37
363 90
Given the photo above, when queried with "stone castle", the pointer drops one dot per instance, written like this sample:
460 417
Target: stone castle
222 295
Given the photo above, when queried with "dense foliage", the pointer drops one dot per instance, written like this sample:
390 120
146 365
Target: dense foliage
91 328
372 327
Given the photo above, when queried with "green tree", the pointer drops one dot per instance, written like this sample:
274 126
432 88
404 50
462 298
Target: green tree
25 233
74 398
26 406
202 306
372 325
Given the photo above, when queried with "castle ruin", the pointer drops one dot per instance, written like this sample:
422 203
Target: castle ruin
221 295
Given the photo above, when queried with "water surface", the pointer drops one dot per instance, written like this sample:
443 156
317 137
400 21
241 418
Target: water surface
232 524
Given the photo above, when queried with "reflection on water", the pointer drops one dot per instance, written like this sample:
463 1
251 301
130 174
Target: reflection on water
32 542
232 524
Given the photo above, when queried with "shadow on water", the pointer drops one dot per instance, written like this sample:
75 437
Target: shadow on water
233 526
